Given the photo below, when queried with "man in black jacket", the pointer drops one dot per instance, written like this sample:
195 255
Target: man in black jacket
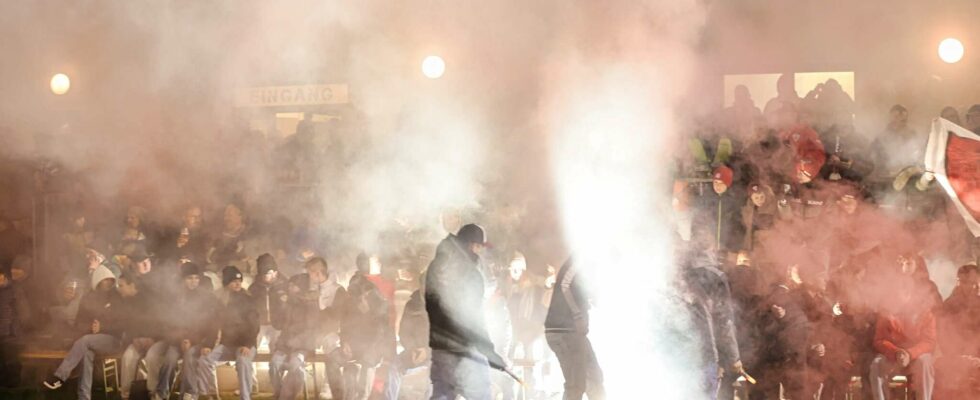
98 312
365 334
268 290
566 328
13 316
413 334
191 334
141 333
314 310
461 345
239 321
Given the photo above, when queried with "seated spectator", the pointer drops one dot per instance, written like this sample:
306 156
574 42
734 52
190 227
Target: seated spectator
315 310
14 313
142 330
239 321
905 340
960 365
784 338
191 333
99 321
413 333
64 309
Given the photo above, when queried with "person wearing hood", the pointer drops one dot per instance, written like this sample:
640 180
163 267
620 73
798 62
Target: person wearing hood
239 321
454 290
314 311
14 313
191 334
97 254
99 319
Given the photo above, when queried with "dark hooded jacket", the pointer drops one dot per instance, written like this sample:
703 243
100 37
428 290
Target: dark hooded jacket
239 320
568 302
709 303
270 301
454 290
192 317
305 322
100 306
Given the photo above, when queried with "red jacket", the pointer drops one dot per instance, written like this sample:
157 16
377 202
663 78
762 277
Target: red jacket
893 333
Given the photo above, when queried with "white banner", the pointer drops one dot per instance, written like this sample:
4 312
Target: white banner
301 95
953 155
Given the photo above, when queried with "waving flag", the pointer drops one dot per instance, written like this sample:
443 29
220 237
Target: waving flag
953 155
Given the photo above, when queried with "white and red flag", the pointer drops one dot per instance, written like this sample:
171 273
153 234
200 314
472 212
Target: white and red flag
953 155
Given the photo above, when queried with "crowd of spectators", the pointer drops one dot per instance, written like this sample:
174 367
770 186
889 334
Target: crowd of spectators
826 236
823 234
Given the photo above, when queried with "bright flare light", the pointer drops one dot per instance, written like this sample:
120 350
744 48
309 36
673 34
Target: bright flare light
951 51
60 84
433 67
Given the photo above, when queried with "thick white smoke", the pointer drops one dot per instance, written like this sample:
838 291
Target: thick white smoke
611 117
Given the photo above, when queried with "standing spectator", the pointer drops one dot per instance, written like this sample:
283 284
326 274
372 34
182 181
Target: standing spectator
905 339
950 114
743 113
239 322
101 333
14 313
786 98
972 120
525 294
897 148
192 333
458 336
566 330
758 215
720 213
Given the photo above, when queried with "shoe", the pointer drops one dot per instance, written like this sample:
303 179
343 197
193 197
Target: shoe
53 383
188 396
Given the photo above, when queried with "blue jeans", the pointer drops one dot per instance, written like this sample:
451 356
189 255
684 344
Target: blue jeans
459 374
243 366
190 376
83 352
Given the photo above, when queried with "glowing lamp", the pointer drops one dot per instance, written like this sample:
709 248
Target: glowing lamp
433 67
60 84
951 51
